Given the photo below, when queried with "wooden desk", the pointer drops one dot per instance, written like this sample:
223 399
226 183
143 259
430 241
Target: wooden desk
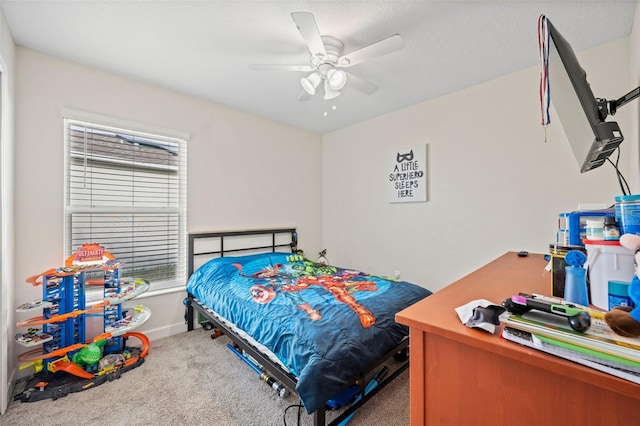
464 376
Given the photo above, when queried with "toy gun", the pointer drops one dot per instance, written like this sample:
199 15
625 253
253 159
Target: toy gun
578 318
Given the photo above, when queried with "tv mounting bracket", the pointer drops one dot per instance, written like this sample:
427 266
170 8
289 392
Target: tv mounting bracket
606 107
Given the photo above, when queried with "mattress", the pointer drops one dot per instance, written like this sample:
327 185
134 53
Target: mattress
327 325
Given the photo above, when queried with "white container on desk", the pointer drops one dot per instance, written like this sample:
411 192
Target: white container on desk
607 261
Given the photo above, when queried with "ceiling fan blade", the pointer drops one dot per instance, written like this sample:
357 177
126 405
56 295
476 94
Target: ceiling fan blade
306 24
279 67
361 85
379 48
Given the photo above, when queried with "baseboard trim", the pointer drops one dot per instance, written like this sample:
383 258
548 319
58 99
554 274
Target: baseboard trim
165 331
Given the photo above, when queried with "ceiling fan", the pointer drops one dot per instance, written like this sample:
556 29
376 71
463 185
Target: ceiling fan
327 60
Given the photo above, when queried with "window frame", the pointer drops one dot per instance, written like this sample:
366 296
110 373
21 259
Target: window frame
141 129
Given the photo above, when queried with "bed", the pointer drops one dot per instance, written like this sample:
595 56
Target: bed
315 328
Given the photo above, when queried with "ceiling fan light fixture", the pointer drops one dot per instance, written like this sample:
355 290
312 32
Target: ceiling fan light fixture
310 83
336 78
329 93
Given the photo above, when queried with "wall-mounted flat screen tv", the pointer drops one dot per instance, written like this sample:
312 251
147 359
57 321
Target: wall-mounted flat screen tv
581 114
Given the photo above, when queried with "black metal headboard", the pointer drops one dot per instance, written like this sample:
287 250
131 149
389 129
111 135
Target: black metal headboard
275 242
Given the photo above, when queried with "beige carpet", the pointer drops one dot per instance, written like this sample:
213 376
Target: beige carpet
190 379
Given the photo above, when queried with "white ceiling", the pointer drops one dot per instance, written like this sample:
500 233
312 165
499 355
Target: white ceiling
203 48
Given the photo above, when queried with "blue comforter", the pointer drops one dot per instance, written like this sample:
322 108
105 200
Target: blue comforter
325 324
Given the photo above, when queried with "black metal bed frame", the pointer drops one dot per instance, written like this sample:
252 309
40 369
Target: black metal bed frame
284 377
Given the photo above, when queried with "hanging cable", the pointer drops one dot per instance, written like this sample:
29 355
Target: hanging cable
543 46
624 185
299 406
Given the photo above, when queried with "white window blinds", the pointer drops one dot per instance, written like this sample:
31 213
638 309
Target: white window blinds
126 190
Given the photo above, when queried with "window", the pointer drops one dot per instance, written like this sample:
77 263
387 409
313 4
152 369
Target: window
126 190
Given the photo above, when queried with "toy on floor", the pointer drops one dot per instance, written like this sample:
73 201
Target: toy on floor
63 359
90 354
625 320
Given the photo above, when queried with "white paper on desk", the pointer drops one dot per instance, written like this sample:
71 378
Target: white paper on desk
466 314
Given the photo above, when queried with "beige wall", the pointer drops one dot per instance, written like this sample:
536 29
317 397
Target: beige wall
495 184
243 171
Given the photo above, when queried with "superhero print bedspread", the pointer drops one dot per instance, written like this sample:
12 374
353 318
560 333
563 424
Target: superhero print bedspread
325 324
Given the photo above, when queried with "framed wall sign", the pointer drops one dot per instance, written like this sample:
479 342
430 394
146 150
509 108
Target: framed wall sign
407 175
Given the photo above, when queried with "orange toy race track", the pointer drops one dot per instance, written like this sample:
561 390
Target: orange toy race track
63 364
36 354
66 348
57 318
